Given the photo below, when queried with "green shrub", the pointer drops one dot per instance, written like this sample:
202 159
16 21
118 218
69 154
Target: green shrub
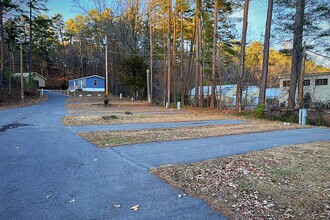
260 111
128 113
291 119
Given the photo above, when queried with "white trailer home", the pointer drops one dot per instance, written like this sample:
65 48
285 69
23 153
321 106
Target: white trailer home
316 84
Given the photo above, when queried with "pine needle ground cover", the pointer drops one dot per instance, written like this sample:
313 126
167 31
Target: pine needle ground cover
291 182
136 117
91 111
117 138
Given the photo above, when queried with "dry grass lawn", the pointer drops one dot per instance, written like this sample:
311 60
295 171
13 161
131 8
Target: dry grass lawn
290 182
117 138
122 118
91 111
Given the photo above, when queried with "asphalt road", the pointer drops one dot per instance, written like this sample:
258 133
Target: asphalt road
48 172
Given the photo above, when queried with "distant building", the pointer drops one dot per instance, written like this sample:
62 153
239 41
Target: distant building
316 84
36 77
250 95
93 83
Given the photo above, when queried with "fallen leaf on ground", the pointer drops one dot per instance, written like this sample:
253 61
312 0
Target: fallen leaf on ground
135 208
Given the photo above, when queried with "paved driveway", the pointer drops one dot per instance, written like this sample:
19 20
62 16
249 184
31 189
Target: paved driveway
48 172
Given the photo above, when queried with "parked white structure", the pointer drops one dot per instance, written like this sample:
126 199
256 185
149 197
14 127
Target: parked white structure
39 79
250 95
316 84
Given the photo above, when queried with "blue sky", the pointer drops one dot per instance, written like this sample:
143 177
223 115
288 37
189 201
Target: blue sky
257 15
63 7
256 22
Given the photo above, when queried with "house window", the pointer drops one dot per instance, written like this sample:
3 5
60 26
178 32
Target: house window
286 83
307 82
321 82
95 82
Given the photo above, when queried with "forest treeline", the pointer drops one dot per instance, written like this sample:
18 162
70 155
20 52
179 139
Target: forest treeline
181 44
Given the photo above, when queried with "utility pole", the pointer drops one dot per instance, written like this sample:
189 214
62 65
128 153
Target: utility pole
148 86
106 67
21 64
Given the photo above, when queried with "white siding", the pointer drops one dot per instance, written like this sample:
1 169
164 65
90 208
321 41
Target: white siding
319 93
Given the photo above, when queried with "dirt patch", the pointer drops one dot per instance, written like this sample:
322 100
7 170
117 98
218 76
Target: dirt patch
117 138
290 182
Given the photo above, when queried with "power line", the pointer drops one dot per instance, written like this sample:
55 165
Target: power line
319 54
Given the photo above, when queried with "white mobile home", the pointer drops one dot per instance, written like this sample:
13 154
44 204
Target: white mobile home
316 84
36 77
250 95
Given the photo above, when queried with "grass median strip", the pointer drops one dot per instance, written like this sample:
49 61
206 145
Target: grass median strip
117 138
290 182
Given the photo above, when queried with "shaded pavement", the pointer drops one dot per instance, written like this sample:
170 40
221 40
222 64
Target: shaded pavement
47 171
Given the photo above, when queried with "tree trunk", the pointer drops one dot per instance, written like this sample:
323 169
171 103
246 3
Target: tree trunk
296 53
220 91
183 83
151 48
242 58
201 90
2 36
169 57
301 79
165 67
30 40
199 77
21 70
197 95
214 55
175 79
263 86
